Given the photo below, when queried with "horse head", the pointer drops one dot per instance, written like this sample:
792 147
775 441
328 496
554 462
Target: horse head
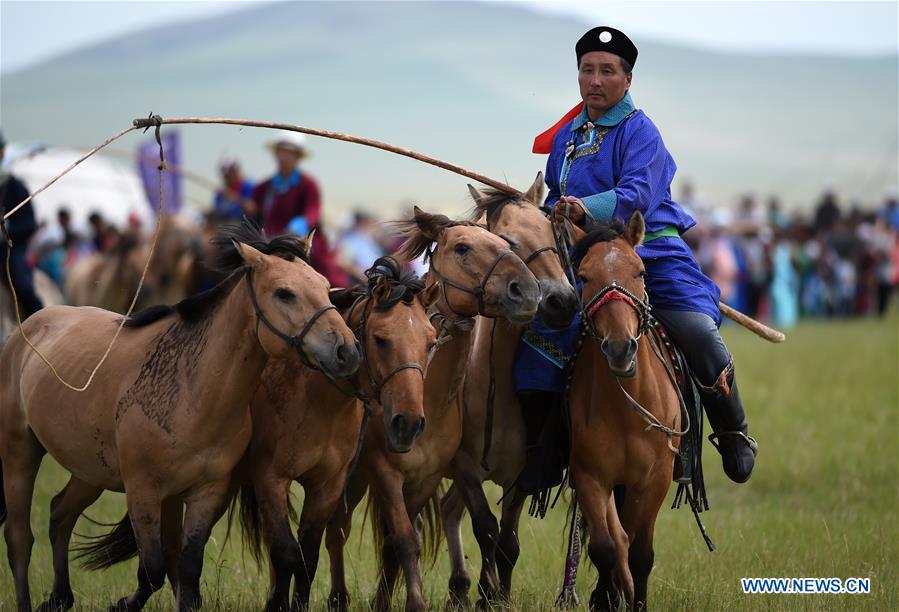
616 306
477 271
289 300
397 340
521 222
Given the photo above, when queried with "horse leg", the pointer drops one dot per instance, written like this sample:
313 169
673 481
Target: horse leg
508 549
172 518
145 510
284 553
65 509
452 509
205 507
638 518
401 544
337 535
623 577
317 509
593 499
486 532
20 465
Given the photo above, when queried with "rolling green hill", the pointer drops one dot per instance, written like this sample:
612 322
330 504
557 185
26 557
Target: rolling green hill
468 82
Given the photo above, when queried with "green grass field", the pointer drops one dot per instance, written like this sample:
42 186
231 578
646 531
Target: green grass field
822 501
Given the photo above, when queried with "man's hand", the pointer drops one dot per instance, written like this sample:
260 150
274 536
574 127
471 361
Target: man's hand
571 207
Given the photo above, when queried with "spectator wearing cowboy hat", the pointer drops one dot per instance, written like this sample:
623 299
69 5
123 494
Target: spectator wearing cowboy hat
290 202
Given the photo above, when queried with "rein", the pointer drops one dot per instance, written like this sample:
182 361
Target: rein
294 342
615 292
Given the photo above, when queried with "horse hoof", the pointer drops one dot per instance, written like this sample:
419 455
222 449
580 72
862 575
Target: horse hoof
338 601
455 603
57 604
122 605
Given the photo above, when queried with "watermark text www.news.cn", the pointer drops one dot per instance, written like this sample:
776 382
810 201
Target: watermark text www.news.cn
806 585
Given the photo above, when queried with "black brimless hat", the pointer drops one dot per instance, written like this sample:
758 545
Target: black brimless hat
607 39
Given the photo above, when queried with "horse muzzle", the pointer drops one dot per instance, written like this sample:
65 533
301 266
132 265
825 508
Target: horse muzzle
340 359
558 305
401 430
622 356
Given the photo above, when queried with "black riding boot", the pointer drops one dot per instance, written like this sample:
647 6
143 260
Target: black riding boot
546 449
731 438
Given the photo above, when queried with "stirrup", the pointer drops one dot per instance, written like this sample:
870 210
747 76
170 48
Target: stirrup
750 441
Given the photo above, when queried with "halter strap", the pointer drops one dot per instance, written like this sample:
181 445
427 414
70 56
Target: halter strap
613 292
540 251
478 291
377 386
294 342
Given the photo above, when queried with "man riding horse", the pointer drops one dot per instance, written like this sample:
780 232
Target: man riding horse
606 160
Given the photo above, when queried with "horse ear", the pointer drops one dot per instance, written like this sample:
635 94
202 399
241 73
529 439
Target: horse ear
430 225
636 229
534 195
309 238
381 292
250 256
476 195
430 294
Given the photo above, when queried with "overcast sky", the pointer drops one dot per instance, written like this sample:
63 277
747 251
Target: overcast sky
34 30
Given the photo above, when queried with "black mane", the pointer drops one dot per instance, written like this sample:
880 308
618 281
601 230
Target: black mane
598 232
227 260
403 285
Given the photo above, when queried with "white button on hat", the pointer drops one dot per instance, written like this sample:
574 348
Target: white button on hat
605 36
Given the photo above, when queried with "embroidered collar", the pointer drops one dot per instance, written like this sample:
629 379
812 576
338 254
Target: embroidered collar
281 185
610 118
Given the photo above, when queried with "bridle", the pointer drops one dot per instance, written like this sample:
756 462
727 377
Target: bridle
376 386
294 342
615 292
478 291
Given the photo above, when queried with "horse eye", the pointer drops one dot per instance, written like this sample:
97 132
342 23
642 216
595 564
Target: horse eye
285 295
380 342
641 274
582 277
461 249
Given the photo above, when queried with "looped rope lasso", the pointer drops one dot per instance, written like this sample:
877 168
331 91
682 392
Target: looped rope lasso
157 121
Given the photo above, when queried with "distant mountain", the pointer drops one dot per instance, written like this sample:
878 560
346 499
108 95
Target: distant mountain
468 82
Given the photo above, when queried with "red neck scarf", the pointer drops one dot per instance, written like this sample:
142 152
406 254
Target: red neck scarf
543 144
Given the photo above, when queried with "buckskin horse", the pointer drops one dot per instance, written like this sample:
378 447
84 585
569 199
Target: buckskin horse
306 429
625 415
478 274
169 418
521 222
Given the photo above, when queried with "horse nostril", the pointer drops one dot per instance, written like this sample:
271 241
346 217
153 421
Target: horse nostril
342 354
633 346
515 291
604 347
421 426
554 302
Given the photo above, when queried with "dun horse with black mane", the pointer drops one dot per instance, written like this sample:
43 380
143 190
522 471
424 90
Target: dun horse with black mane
169 417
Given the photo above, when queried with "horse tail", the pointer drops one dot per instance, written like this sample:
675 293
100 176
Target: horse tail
2 497
432 533
431 527
245 506
104 551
